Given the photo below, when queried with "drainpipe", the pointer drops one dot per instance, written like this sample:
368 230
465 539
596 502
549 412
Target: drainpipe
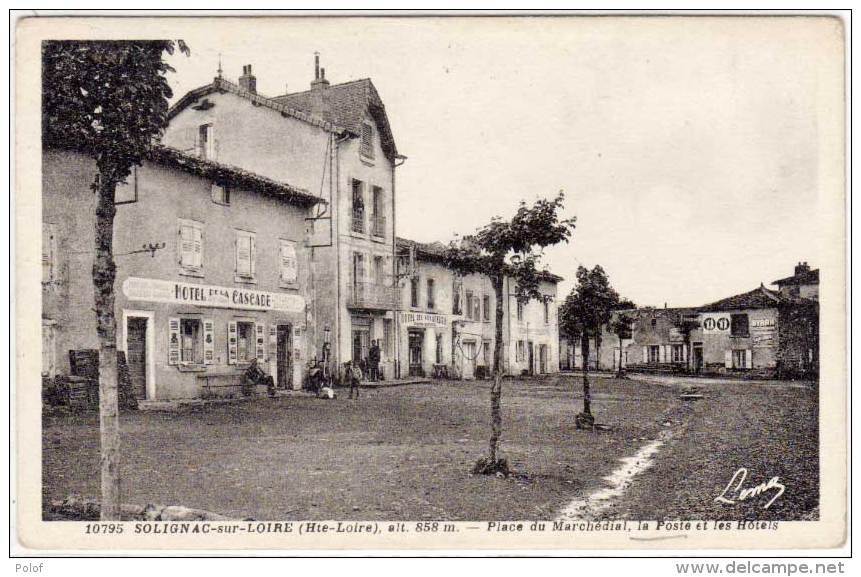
335 187
395 279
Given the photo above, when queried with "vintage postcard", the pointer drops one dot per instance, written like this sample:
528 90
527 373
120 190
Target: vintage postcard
545 282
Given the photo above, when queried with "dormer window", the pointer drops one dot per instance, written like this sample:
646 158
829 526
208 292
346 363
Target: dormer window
367 146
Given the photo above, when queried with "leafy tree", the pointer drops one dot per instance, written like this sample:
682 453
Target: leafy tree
585 310
108 99
686 326
509 248
620 326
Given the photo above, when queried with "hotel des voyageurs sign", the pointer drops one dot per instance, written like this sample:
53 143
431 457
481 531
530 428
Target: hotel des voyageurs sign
163 291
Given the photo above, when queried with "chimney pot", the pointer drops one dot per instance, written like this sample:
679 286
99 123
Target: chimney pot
248 81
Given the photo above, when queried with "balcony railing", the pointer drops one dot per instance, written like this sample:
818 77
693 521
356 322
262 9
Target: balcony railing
358 222
371 295
378 225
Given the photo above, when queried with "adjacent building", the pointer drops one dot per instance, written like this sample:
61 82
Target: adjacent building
761 332
264 228
333 140
212 272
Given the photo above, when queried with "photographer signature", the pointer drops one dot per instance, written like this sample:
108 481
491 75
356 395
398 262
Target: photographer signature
735 492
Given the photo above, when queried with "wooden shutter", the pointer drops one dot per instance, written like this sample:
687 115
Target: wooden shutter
289 270
243 254
727 359
645 354
208 342
186 245
173 341
260 341
684 353
252 254
231 343
748 359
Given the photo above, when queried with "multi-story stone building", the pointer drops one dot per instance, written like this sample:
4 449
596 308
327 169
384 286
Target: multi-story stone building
335 141
446 322
212 272
531 331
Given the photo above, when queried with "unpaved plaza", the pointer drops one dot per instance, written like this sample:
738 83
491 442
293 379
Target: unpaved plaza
406 452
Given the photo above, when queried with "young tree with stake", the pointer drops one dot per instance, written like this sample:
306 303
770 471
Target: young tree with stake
108 99
509 248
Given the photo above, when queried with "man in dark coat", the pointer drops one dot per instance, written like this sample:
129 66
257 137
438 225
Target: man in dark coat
374 361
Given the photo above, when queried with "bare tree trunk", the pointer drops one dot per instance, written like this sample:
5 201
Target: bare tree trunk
587 393
496 388
619 374
104 273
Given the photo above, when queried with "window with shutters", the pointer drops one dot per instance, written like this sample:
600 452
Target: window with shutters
288 262
739 359
414 292
49 252
485 306
190 247
245 256
468 301
245 342
739 325
476 309
520 351
654 355
220 194
127 192
191 342
519 310
206 141
456 288
431 294
367 146
678 353
358 209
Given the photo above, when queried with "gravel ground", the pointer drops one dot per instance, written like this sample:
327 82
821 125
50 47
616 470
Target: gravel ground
770 429
397 453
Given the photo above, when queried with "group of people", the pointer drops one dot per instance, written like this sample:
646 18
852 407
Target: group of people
366 369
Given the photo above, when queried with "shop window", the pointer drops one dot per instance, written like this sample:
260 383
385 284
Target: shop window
367 145
485 305
414 292
191 342
678 353
431 295
288 262
739 325
245 255
191 246
654 354
220 194
49 252
245 349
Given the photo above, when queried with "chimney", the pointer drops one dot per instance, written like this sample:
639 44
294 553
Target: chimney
320 81
248 81
801 268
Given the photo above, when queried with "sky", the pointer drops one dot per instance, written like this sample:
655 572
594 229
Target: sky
688 148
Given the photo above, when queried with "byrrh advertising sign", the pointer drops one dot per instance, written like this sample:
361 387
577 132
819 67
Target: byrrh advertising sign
163 291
